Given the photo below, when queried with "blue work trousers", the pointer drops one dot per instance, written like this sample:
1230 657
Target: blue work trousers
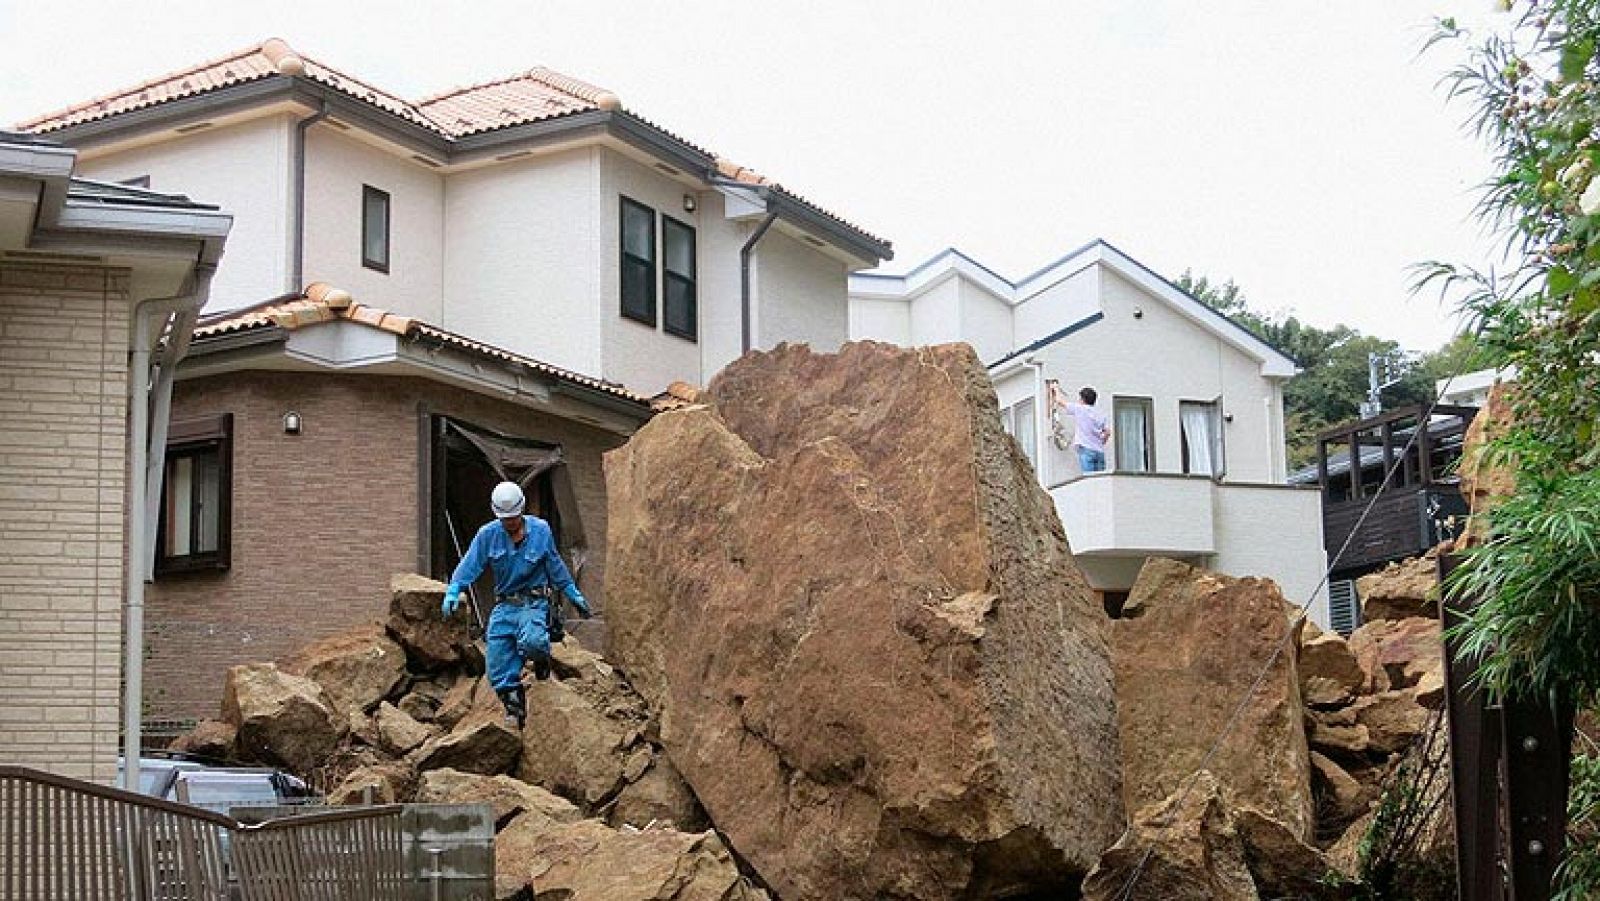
1091 460
517 632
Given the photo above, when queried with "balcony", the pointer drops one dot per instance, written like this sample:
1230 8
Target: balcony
1122 514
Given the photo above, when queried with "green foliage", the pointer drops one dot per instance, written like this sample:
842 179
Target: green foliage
1580 871
1333 379
1396 858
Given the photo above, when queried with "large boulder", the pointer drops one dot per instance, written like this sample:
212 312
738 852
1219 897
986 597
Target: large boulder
1486 479
356 669
1329 673
1185 666
658 795
1398 653
432 641
398 732
509 798
487 747
589 861
1401 590
1183 848
854 609
572 748
382 783
209 739
280 718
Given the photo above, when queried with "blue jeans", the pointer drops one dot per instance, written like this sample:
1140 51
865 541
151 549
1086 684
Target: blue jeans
516 632
1091 460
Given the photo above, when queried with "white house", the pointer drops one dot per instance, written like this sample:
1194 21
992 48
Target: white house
1195 402
536 213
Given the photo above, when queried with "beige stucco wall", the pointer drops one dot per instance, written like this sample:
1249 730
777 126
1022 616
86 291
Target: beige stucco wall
63 389
522 257
801 295
337 166
246 169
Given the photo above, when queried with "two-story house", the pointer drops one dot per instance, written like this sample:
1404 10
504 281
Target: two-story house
1196 461
423 297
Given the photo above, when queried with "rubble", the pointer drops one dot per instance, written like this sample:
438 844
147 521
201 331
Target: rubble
432 642
356 669
397 731
280 718
589 861
510 798
1183 848
1183 667
853 609
487 748
1401 590
210 739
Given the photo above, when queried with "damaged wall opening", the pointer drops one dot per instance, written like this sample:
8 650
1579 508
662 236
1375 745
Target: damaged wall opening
465 463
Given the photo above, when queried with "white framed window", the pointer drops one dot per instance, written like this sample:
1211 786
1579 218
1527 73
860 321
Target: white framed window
1020 423
1200 433
1133 428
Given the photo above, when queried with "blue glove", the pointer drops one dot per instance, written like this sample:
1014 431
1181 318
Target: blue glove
578 601
452 599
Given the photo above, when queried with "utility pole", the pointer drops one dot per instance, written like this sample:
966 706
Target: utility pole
1376 362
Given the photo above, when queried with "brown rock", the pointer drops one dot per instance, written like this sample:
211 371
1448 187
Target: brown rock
588 861
1484 479
1329 674
660 796
362 728
1393 719
384 783
1343 798
431 641
281 719
509 797
1405 650
356 669
422 708
1401 590
1282 865
1184 848
487 748
209 739
833 538
398 733
1182 669
1337 733
572 748
457 702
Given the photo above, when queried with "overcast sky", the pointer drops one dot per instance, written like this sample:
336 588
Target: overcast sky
1299 147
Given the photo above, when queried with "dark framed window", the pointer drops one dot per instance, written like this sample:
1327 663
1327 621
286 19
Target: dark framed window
374 228
638 261
196 524
1133 427
679 299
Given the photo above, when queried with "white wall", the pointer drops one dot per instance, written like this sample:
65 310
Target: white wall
523 254
1056 305
936 313
801 295
1160 354
880 319
721 335
1274 531
245 168
985 322
337 166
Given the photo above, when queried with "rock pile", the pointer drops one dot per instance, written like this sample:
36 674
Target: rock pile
839 584
586 805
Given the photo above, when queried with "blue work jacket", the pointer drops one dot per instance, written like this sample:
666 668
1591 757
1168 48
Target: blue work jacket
516 568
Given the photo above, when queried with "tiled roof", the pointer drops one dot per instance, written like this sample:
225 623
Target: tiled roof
677 396
535 95
323 303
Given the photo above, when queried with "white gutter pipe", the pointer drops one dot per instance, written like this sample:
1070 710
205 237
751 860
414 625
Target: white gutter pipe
143 490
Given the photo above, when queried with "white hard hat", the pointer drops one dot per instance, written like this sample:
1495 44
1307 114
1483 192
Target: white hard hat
506 500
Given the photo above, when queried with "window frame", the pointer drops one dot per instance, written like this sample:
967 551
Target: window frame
1148 404
193 438
369 193
624 258
668 223
1219 444
1013 418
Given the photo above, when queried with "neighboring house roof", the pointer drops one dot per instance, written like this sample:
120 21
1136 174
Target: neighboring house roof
951 261
323 303
457 120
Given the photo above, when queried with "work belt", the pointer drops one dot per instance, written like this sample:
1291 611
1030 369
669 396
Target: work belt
528 595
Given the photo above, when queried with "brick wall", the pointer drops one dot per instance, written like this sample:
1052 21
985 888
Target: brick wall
321 519
63 387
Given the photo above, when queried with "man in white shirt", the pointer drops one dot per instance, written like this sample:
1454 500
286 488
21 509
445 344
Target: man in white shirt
1089 430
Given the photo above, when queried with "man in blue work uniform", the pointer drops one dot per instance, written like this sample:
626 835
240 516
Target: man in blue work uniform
522 553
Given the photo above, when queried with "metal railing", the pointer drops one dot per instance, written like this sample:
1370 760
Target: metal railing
63 838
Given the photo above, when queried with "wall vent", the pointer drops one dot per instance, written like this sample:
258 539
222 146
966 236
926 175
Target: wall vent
667 169
198 126
1344 606
432 164
516 154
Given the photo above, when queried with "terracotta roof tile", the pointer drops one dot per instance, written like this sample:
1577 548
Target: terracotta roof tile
323 303
535 95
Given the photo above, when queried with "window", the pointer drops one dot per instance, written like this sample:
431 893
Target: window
678 278
195 528
1200 427
638 262
1132 427
374 228
1018 420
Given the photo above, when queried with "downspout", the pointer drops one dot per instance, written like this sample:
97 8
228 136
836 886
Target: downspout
744 276
296 276
1041 424
142 490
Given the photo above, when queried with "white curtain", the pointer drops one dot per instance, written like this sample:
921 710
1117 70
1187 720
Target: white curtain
1200 434
1132 450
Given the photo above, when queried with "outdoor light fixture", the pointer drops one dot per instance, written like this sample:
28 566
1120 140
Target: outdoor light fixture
291 423
688 203
1138 312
